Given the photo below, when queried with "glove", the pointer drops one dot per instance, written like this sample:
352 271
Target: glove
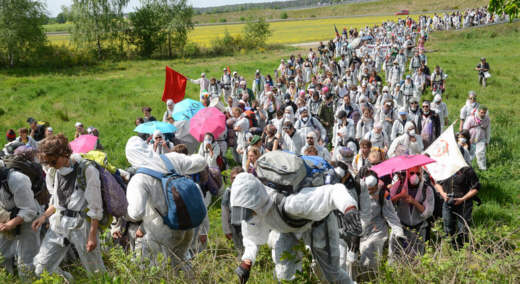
351 223
243 272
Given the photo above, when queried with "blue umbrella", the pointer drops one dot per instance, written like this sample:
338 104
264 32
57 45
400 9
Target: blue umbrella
151 126
186 109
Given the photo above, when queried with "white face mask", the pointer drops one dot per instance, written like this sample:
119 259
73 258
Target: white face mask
411 132
305 119
462 140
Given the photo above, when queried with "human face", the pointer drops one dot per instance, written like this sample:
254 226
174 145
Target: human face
482 113
305 114
252 157
310 140
365 150
426 107
58 162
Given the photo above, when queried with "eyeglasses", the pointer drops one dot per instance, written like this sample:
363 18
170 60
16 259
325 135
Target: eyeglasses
414 103
312 138
425 106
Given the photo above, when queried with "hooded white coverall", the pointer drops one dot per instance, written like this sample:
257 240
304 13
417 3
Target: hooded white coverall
146 201
311 203
26 243
65 231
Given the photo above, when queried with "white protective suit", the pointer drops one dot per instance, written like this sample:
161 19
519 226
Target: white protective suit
372 242
311 203
146 200
24 245
402 144
65 231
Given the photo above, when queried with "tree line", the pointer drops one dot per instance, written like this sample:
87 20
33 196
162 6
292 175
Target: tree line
100 30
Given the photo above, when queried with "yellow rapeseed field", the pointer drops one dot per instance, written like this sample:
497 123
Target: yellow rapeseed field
284 32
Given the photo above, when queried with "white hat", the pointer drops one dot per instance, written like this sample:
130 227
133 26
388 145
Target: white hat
371 181
202 74
50 129
169 102
78 124
157 133
437 98
385 89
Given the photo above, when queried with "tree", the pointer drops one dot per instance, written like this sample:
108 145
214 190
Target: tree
98 22
257 32
146 29
65 15
176 21
510 7
21 29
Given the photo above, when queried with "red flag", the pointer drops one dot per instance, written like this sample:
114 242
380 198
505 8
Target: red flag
174 86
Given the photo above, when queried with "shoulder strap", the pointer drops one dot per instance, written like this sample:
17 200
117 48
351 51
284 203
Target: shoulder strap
150 172
82 176
168 164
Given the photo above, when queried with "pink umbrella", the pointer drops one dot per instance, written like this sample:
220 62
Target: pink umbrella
206 120
84 143
401 163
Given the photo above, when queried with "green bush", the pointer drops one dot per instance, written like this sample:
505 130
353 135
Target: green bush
222 20
284 16
191 49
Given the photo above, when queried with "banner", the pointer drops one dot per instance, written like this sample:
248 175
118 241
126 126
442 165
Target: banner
445 151
174 86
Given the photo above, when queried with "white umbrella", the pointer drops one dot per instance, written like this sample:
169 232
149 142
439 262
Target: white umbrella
183 136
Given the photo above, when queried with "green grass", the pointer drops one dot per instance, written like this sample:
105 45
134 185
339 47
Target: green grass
110 96
65 27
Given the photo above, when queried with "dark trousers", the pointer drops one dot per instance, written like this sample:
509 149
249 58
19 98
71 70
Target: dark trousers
457 219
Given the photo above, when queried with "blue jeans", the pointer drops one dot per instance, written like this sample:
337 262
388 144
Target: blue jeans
457 219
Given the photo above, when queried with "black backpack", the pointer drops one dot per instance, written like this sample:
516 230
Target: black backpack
29 168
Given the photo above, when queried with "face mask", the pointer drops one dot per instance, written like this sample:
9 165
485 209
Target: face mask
207 140
411 132
462 140
305 119
414 180
427 112
482 116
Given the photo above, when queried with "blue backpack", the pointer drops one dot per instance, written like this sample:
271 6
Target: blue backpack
319 171
186 209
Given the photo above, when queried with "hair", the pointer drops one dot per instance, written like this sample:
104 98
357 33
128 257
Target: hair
255 150
146 108
212 136
140 119
483 107
236 109
365 142
23 130
235 171
181 149
311 151
53 147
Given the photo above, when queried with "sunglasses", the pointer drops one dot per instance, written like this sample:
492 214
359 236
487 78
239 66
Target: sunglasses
425 106
312 138
414 173
413 103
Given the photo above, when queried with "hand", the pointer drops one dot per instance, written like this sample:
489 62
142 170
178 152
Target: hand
91 243
243 271
39 222
444 196
139 233
6 227
116 235
458 201
203 238
229 236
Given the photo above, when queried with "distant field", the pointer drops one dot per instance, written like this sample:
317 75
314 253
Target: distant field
283 32
344 10
58 27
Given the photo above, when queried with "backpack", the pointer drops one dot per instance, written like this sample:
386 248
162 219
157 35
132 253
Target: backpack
282 171
251 116
186 209
31 169
113 192
43 123
319 171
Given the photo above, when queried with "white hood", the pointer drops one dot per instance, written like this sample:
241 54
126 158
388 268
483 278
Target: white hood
247 191
139 155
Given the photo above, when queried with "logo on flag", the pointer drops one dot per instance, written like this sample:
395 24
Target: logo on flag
447 156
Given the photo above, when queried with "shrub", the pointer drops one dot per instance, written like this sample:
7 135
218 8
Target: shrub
222 20
284 16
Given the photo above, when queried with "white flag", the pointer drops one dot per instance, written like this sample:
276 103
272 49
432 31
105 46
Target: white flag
445 151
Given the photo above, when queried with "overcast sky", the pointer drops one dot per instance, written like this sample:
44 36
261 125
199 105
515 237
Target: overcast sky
54 6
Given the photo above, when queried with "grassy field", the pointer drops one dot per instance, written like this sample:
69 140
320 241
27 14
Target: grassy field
110 96
345 10
284 32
